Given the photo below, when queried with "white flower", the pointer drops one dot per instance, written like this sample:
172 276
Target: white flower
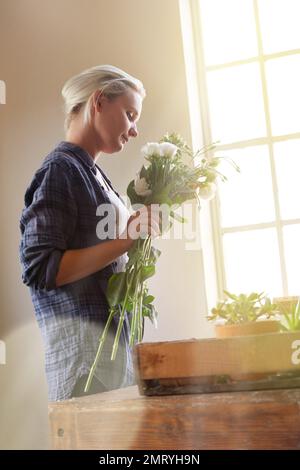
152 148
141 186
167 149
207 191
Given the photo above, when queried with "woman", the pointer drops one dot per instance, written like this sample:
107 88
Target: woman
68 249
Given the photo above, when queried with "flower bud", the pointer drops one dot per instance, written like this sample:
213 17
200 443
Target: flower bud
141 186
207 191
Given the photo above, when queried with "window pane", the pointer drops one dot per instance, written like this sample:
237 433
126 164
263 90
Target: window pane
247 197
228 30
279 21
252 262
283 78
287 161
291 236
236 103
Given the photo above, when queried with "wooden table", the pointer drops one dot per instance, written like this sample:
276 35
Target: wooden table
123 419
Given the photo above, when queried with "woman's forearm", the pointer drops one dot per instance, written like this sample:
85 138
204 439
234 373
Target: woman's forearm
80 263
77 264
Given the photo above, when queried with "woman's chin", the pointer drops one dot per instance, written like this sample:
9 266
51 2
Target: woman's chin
119 146
113 148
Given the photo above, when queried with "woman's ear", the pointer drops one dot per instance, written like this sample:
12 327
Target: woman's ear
97 100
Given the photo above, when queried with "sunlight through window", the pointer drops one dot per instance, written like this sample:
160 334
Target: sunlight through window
249 77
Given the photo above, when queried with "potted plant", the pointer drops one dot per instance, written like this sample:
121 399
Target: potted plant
240 315
290 313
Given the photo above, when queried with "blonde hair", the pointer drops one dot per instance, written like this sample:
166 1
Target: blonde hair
111 81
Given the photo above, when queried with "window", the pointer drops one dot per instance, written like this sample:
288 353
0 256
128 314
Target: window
246 63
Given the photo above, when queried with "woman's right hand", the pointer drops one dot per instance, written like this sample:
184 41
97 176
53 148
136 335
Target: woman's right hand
145 221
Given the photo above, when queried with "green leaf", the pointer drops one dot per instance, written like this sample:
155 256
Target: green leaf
147 271
134 198
129 305
148 299
231 296
133 254
291 318
116 288
150 312
143 172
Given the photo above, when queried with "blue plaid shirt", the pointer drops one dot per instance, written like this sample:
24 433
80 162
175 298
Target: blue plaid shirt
59 215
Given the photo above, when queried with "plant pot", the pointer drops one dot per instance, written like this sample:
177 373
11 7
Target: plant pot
246 329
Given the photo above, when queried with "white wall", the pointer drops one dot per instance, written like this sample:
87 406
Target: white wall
42 43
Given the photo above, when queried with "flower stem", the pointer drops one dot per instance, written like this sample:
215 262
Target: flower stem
136 327
134 312
140 314
99 351
121 321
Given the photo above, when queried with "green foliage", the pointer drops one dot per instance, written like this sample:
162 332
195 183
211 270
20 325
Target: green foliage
291 319
116 288
244 308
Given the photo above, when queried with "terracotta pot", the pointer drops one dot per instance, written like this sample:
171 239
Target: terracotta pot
246 329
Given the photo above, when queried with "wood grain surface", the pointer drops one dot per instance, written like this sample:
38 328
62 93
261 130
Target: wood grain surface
123 419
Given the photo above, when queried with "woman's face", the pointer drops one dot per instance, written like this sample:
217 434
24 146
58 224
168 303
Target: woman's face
115 121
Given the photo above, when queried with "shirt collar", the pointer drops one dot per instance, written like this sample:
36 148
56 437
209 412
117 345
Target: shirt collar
79 153
86 159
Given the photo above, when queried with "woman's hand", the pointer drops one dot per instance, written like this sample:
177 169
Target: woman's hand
145 221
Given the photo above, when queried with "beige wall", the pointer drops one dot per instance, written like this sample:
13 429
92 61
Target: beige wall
42 43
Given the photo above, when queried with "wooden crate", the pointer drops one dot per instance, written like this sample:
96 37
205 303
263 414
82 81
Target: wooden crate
257 362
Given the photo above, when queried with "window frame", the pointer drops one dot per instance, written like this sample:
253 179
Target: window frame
196 73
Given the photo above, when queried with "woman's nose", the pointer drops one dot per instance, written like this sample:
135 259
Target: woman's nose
133 132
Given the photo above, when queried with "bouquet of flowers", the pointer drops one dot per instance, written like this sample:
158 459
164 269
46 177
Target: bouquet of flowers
167 181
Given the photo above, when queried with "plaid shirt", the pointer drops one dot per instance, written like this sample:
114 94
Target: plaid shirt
59 215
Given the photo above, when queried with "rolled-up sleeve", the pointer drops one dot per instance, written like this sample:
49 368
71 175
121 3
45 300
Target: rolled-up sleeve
47 225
